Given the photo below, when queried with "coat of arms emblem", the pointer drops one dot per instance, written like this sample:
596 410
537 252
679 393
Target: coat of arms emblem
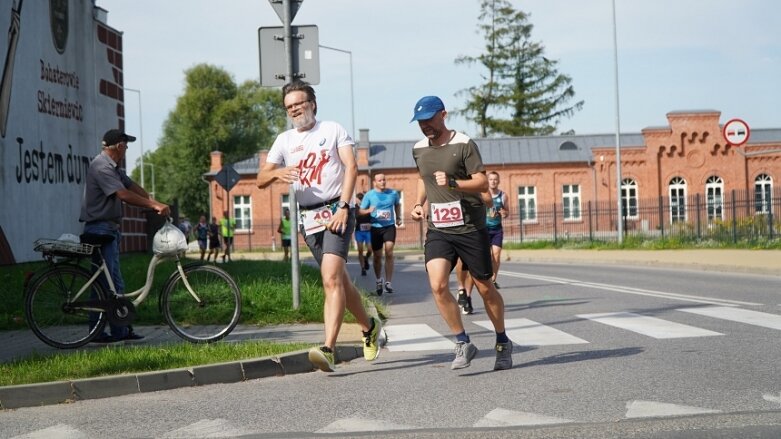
58 17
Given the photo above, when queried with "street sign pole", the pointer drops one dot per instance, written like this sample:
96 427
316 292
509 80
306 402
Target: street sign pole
294 256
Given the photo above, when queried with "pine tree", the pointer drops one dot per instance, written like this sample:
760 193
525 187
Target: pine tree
523 93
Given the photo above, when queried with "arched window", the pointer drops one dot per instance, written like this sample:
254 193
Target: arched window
714 197
629 198
677 199
763 193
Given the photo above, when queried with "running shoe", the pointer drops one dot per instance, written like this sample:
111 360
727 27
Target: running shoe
373 341
468 307
504 356
322 358
462 298
465 352
366 262
388 288
378 290
496 285
363 272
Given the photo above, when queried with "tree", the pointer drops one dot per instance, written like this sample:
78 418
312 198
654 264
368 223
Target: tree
212 114
520 82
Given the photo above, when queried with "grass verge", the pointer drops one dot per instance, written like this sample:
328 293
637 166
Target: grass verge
115 360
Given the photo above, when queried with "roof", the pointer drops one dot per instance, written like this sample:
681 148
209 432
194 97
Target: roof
497 151
397 154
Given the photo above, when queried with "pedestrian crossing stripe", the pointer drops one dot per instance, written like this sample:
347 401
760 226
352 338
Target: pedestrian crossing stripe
739 315
525 332
650 326
415 337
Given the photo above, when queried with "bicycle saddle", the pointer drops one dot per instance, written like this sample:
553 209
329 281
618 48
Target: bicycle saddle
94 239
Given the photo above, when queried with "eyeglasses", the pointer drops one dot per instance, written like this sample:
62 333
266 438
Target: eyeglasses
292 107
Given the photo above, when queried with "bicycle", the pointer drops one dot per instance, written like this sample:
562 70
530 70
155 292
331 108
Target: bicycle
67 306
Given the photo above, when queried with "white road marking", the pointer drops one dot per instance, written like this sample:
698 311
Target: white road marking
525 332
504 418
652 409
416 337
208 428
650 326
631 290
354 424
772 398
756 318
59 431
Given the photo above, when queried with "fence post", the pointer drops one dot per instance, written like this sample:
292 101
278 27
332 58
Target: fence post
770 230
734 220
555 226
699 219
661 216
590 226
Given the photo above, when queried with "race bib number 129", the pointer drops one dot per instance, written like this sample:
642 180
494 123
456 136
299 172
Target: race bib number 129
447 214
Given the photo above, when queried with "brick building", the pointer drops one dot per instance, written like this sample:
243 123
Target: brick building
571 173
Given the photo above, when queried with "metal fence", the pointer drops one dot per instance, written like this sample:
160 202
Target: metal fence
729 217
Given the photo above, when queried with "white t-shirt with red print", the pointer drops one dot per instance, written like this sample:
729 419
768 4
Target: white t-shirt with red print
315 153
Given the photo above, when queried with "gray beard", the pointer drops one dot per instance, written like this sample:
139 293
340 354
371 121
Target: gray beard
305 120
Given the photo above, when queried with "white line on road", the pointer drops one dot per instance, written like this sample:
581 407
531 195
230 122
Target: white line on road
504 418
630 290
416 337
756 318
653 409
650 326
525 332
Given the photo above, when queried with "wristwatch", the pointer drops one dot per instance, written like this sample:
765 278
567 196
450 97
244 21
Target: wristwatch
343 205
451 183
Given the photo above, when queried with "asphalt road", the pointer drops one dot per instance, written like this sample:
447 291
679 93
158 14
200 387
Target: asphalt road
600 351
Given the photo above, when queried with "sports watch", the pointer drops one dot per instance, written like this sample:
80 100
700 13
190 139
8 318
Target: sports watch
343 205
451 183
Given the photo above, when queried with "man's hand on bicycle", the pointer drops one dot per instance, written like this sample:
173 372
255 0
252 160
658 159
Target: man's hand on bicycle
161 209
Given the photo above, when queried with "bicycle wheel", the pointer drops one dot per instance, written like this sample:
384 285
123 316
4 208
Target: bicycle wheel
49 309
215 312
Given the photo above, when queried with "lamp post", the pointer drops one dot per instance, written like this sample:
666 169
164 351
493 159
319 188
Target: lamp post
140 133
153 177
618 132
352 96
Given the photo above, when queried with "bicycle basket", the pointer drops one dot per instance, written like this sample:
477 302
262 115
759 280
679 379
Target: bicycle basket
62 248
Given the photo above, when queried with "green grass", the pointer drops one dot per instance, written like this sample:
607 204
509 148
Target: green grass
266 300
265 289
113 360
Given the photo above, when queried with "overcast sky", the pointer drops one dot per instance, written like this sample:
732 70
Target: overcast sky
673 55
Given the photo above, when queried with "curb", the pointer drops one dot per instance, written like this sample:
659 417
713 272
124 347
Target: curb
39 394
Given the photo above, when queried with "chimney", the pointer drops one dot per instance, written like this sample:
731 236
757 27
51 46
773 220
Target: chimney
362 148
216 164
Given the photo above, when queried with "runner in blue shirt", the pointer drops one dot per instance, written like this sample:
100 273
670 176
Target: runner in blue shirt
384 206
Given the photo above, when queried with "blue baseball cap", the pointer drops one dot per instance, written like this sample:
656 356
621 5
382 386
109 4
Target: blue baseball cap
427 107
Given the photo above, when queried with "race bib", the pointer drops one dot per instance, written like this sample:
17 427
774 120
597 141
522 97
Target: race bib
383 214
445 215
365 227
315 220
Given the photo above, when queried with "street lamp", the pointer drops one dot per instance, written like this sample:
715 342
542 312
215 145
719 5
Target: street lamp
140 134
618 132
352 99
152 194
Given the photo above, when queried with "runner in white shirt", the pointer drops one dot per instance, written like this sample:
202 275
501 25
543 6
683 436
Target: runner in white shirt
317 159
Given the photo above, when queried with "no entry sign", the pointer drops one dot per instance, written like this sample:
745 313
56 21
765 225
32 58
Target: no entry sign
736 131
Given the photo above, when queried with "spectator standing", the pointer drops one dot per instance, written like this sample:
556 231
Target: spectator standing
227 227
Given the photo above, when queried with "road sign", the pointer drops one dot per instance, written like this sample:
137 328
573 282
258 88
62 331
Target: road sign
278 6
306 55
736 132
227 177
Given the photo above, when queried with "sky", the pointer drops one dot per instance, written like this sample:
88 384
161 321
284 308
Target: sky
673 55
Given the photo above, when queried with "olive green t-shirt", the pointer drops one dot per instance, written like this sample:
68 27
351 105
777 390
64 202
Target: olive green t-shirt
459 158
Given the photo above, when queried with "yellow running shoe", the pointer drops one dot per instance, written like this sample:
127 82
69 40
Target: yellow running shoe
322 358
373 341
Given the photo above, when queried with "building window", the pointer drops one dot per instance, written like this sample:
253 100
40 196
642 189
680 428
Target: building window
284 203
714 195
570 199
629 198
677 199
242 212
527 204
763 193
